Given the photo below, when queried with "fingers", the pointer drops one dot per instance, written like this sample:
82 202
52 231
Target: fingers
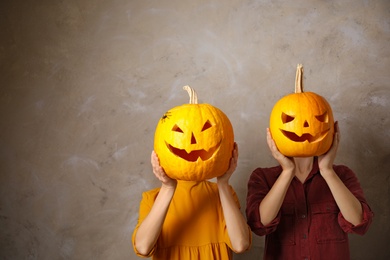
271 144
160 173
336 137
337 131
235 151
233 159
232 166
269 138
326 160
157 169
285 162
154 161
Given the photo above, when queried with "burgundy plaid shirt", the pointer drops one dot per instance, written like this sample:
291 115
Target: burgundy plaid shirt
309 224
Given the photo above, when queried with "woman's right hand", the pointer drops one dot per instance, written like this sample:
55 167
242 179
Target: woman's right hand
284 161
160 173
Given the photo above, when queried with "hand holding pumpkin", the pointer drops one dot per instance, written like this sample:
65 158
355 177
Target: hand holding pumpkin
325 161
232 167
160 173
286 162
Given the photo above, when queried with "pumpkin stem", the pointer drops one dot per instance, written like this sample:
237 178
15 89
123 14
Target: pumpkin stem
299 79
192 94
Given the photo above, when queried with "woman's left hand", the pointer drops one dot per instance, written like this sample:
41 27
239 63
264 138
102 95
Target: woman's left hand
232 166
325 161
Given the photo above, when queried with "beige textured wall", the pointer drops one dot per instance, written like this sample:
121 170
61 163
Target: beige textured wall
83 84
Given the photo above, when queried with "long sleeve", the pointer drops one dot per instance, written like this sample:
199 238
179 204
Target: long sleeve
352 183
259 185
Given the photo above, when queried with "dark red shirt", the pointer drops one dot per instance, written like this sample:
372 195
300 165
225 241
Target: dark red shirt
309 224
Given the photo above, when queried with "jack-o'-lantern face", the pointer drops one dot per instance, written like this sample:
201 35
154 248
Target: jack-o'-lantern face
203 153
194 142
302 124
319 135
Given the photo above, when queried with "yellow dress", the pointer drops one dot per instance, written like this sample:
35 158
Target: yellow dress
194 227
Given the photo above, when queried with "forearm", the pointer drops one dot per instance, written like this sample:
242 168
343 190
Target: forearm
150 229
237 227
270 205
348 204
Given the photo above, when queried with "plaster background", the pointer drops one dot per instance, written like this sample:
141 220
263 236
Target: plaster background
83 84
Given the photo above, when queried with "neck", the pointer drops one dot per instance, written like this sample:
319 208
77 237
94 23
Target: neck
303 166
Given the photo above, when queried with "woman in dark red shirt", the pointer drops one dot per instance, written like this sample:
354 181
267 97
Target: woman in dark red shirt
306 206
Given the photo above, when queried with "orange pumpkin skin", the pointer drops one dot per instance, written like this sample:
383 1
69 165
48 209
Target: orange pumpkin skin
194 142
302 125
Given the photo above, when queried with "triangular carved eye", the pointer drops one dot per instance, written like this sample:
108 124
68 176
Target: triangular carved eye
323 118
175 128
206 125
287 118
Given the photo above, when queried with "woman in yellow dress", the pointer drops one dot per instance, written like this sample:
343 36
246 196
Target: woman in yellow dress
191 219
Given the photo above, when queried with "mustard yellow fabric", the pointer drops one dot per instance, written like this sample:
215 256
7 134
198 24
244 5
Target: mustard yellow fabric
194 227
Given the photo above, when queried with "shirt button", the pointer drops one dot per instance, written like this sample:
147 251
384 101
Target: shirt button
303 216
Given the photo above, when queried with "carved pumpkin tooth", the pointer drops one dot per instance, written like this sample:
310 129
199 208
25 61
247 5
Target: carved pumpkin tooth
194 155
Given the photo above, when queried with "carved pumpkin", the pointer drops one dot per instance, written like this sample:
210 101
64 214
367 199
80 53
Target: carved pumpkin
301 123
194 142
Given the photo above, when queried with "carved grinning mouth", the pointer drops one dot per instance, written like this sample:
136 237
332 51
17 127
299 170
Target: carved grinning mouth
193 155
305 137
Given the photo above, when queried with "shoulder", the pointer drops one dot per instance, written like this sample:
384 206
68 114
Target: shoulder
212 188
150 195
210 185
347 176
270 172
343 171
263 178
